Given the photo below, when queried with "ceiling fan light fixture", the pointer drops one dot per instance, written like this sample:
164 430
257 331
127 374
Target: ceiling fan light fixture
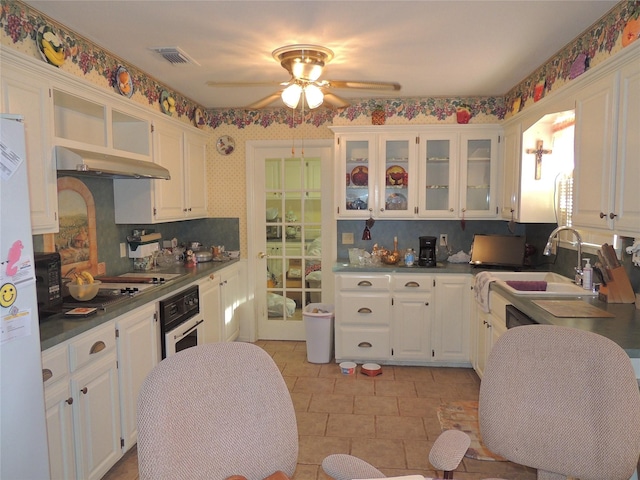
291 95
313 95
304 62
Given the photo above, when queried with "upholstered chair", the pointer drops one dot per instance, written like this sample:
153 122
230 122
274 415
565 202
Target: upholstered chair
563 401
213 411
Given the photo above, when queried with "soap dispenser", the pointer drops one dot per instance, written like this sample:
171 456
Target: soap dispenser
587 275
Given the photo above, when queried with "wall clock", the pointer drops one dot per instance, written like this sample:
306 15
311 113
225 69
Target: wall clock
225 145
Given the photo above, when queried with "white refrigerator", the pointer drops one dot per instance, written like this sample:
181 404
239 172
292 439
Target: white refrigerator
23 431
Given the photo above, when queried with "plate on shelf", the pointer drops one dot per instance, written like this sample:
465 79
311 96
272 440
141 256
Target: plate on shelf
480 154
357 203
396 176
124 83
360 176
50 46
198 118
396 201
167 103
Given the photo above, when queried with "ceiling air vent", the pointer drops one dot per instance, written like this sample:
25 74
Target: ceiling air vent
174 55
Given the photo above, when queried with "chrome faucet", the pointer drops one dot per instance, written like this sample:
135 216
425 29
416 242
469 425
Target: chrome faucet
547 250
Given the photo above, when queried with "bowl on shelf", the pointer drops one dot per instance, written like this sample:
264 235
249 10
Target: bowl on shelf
84 292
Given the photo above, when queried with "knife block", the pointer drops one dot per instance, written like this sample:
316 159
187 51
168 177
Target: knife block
618 289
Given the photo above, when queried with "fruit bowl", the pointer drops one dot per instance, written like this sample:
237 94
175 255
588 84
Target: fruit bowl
84 292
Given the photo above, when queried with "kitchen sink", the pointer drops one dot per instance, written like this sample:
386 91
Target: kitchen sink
531 282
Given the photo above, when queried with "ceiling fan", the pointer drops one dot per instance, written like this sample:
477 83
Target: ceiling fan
305 64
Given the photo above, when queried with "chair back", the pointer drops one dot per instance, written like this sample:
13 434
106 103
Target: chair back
563 401
213 411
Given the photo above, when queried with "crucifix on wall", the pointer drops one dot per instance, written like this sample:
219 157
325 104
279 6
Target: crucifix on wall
539 151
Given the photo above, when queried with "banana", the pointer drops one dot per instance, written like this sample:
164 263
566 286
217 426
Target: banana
87 277
79 280
56 57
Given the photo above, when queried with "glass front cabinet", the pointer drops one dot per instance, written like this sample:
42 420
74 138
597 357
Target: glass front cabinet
447 172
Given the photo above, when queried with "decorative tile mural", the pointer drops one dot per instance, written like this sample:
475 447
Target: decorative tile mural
19 29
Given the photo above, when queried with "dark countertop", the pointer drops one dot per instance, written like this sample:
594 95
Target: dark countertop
624 329
58 328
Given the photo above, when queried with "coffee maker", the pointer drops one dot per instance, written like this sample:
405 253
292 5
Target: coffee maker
427 257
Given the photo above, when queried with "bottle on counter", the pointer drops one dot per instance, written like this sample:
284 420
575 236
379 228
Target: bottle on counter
587 275
409 257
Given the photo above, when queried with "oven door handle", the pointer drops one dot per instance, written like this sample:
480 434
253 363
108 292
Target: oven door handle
184 334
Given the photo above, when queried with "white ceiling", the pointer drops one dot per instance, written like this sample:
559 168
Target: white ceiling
432 48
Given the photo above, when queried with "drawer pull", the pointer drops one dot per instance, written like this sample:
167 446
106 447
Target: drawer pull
365 345
364 310
97 347
84 390
365 283
412 284
69 401
46 374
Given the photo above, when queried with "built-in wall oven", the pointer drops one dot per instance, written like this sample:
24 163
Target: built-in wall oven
181 325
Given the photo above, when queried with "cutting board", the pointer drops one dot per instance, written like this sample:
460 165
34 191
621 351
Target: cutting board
571 308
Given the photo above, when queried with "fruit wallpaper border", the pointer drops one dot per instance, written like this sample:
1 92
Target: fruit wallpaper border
621 26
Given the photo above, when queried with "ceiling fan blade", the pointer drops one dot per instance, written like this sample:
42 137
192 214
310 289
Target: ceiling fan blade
244 84
265 101
391 86
335 100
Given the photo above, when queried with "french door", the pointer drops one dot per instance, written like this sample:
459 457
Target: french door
285 235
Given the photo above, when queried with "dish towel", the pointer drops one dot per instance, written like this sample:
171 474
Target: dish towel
481 289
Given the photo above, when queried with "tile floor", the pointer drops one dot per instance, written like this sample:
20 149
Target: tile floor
389 420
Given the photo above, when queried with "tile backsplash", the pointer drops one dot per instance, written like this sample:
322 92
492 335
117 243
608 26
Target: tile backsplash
208 231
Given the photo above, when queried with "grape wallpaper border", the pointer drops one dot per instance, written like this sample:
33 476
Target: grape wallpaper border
19 24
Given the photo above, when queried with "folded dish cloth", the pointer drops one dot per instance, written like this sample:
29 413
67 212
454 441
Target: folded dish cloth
481 289
528 285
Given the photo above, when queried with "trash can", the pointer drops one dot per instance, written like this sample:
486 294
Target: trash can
318 325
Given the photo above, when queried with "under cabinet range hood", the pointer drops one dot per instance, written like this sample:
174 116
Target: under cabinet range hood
85 162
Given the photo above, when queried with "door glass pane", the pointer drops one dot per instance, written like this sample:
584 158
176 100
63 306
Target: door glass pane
296 225
478 174
396 176
437 172
357 175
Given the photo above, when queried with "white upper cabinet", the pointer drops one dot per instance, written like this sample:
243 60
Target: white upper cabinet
28 94
418 172
606 193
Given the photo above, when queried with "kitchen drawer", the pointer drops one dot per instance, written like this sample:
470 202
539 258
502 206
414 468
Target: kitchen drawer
55 364
412 283
363 309
363 343
96 344
497 306
363 283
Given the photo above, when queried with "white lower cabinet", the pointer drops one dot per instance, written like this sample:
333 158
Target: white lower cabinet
210 307
363 317
138 337
403 318
83 410
412 316
488 327
451 330
219 302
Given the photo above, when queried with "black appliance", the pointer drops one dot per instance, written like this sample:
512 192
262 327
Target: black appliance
177 312
498 250
427 256
48 282
516 318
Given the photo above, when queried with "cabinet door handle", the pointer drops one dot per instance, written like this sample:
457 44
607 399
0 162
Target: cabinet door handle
364 283
365 345
46 374
84 390
364 310
602 214
412 284
69 401
97 347
612 215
